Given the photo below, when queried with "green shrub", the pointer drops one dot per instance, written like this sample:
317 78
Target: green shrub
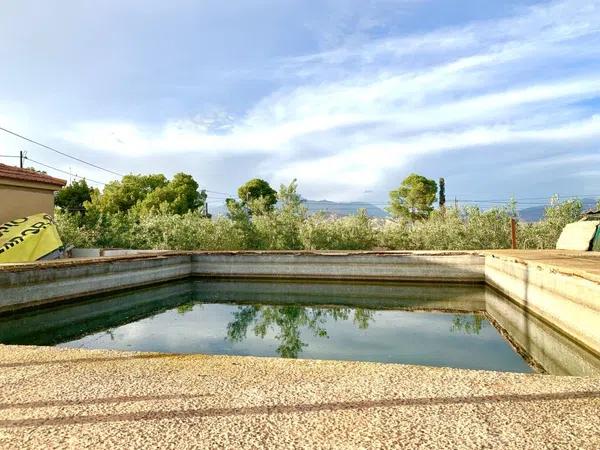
71 230
190 231
278 228
394 235
545 233
319 232
452 229
289 227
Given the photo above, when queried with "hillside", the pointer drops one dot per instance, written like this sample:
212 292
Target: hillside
343 208
532 214
536 213
326 206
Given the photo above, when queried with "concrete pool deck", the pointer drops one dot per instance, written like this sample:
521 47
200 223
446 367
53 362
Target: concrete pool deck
67 398
583 264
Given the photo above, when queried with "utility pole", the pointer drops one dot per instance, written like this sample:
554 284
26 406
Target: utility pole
21 157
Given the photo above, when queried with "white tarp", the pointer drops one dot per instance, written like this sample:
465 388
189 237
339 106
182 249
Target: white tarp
577 235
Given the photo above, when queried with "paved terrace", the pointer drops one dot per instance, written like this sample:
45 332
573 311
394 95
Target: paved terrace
52 397
583 264
57 398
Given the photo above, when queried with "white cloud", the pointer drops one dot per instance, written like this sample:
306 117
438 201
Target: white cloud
505 82
362 167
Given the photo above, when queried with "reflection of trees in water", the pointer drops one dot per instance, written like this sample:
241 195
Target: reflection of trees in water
289 320
185 308
471 324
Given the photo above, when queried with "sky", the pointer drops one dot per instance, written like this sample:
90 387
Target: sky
501 97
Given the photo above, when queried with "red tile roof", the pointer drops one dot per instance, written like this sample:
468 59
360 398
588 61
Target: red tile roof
17 173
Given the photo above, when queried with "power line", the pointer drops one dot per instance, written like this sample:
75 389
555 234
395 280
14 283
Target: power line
363 203
216 197
341 207
59 152
539 198
81 160
63 171
491 202
379 203
216 192
353 206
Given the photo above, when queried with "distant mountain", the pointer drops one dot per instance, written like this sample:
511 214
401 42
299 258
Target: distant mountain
326 206
532 214
343 208
536 213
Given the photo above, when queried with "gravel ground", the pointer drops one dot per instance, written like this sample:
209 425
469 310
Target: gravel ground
65 398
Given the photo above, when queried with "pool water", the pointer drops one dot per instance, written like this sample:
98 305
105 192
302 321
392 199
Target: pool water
394 323
429 338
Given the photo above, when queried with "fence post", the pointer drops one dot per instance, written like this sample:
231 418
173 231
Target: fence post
513 232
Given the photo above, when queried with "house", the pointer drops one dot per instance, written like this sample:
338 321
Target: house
24 192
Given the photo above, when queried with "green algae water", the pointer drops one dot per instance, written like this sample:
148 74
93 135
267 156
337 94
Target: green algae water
435 325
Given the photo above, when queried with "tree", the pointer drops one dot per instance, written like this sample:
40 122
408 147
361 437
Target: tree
279 228
242 222
72 197
257 191
178 196
414 198
147 193
121 196
33 169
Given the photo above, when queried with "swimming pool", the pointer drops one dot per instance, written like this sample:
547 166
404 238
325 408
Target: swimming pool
451 325
448 325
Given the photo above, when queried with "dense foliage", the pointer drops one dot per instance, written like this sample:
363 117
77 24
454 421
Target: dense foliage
72 197
144 194
257 195
414 198
288 226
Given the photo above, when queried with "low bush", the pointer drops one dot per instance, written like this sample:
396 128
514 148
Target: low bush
545 233
357 232
289 227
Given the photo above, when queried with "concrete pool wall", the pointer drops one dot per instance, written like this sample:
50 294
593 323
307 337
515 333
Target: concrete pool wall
567 300
457 267
26 285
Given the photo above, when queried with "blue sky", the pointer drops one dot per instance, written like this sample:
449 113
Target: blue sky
347 96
